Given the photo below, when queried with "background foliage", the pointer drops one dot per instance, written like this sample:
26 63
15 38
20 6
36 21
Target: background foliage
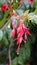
6 38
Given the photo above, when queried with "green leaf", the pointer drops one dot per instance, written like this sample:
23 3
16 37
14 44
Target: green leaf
15 61
1 15
35 3
33 17
22 56
20 12
35 11
5 41
15 5
34 20
8 30
25 52
5 18
1 35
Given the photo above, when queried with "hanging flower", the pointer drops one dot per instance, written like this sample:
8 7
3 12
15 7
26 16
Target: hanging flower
14 23
18 49
19 27
22 32
4 7
26 30
13 33
30 1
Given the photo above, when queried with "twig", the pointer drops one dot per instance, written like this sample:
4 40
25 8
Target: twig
9 56
10 62
5 25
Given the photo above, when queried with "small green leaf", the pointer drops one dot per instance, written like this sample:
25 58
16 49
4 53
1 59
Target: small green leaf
1 35
5 41
20 12
15 61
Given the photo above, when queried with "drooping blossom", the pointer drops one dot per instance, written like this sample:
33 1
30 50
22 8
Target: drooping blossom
15 18
22 32
4 7
30 2
14 23
13 33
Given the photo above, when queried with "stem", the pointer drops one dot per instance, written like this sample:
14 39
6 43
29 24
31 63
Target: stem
9 51
9 57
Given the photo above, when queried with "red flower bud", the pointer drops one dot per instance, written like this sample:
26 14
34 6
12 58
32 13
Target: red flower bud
14 23
13 33
4 7
11 8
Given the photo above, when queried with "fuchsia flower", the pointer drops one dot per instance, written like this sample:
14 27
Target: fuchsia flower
4 7
14 23
22 32
13 33
30 1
